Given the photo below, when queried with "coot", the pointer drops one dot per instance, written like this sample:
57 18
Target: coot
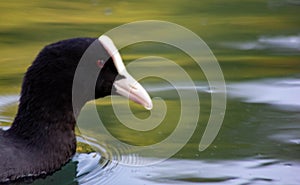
42 139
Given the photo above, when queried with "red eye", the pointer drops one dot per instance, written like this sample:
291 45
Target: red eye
100 63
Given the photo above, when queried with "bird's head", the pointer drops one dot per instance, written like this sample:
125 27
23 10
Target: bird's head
50 79
114 78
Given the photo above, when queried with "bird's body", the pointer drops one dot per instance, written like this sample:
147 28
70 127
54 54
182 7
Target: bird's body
42 137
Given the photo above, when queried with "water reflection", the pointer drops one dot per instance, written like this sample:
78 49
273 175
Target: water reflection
4 102
284 93
281 43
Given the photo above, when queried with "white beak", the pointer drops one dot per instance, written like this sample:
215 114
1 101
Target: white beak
126 86
130 88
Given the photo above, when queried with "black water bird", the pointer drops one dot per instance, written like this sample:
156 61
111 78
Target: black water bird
42 139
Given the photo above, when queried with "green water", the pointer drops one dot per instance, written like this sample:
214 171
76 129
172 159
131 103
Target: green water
257 45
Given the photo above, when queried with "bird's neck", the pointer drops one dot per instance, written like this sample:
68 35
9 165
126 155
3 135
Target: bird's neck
47 126
43 137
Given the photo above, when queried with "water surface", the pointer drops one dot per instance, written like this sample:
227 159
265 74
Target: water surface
257 45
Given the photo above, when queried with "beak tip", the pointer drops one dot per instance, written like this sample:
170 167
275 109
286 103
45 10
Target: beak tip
149 106
130 88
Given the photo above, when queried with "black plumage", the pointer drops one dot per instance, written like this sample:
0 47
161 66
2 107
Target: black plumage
41 138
